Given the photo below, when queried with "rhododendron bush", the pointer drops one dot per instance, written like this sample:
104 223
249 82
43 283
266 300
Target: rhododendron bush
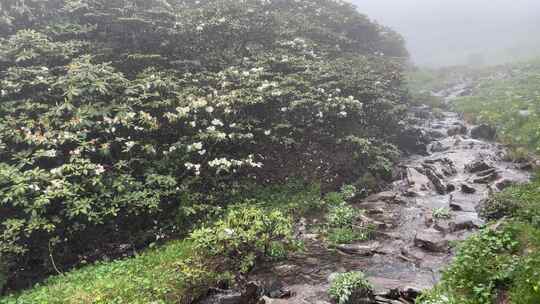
122 122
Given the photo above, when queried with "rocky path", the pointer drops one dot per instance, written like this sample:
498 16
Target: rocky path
432 204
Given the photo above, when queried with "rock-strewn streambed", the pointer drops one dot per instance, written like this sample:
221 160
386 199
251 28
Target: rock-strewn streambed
412 241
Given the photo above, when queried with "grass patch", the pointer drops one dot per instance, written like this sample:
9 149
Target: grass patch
511 103
151 277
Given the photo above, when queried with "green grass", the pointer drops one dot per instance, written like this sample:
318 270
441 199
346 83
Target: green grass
510 103
154 276
501 261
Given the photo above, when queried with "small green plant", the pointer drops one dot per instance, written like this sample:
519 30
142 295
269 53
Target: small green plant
526 288
441 213
348 191
342 215
243 236
350 287
347 235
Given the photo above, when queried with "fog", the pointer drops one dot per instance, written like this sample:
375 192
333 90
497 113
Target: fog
450 32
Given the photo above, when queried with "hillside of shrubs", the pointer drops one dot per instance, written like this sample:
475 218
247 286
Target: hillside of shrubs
126 124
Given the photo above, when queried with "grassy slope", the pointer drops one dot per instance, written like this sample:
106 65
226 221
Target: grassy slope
152 277
509 101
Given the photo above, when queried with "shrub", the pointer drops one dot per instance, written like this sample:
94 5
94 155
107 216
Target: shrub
520 201
342 216
350 287
128 122
246 234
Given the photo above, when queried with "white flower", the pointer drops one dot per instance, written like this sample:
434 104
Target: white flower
75 152
195 167
199 103
56 171
342 114
195 146
49 153
277 93
267 132
284 109
34 187
99 169
217 122
229 231
182 111
129 145
209 109
202 152
193 124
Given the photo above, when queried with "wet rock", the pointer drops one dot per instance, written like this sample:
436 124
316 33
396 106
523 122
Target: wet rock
225 297
486 172
457 129
442 226
436 134
503 184
436 180
388 290
461 206
525 166
249 295
444 165
465 188
428 219
486 179
438 147
483 131
450 188
477 166
385 196
421 112
431 240
360 249
286 269
413 140
463 222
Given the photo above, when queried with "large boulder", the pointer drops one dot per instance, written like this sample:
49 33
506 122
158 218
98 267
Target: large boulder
483 131
413 140
457 129
431 240
477 166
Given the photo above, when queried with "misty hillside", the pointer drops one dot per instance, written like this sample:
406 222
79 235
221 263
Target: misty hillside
269 152
442 33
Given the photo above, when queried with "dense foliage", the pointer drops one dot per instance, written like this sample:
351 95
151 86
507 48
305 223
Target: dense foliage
124 122
350 287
